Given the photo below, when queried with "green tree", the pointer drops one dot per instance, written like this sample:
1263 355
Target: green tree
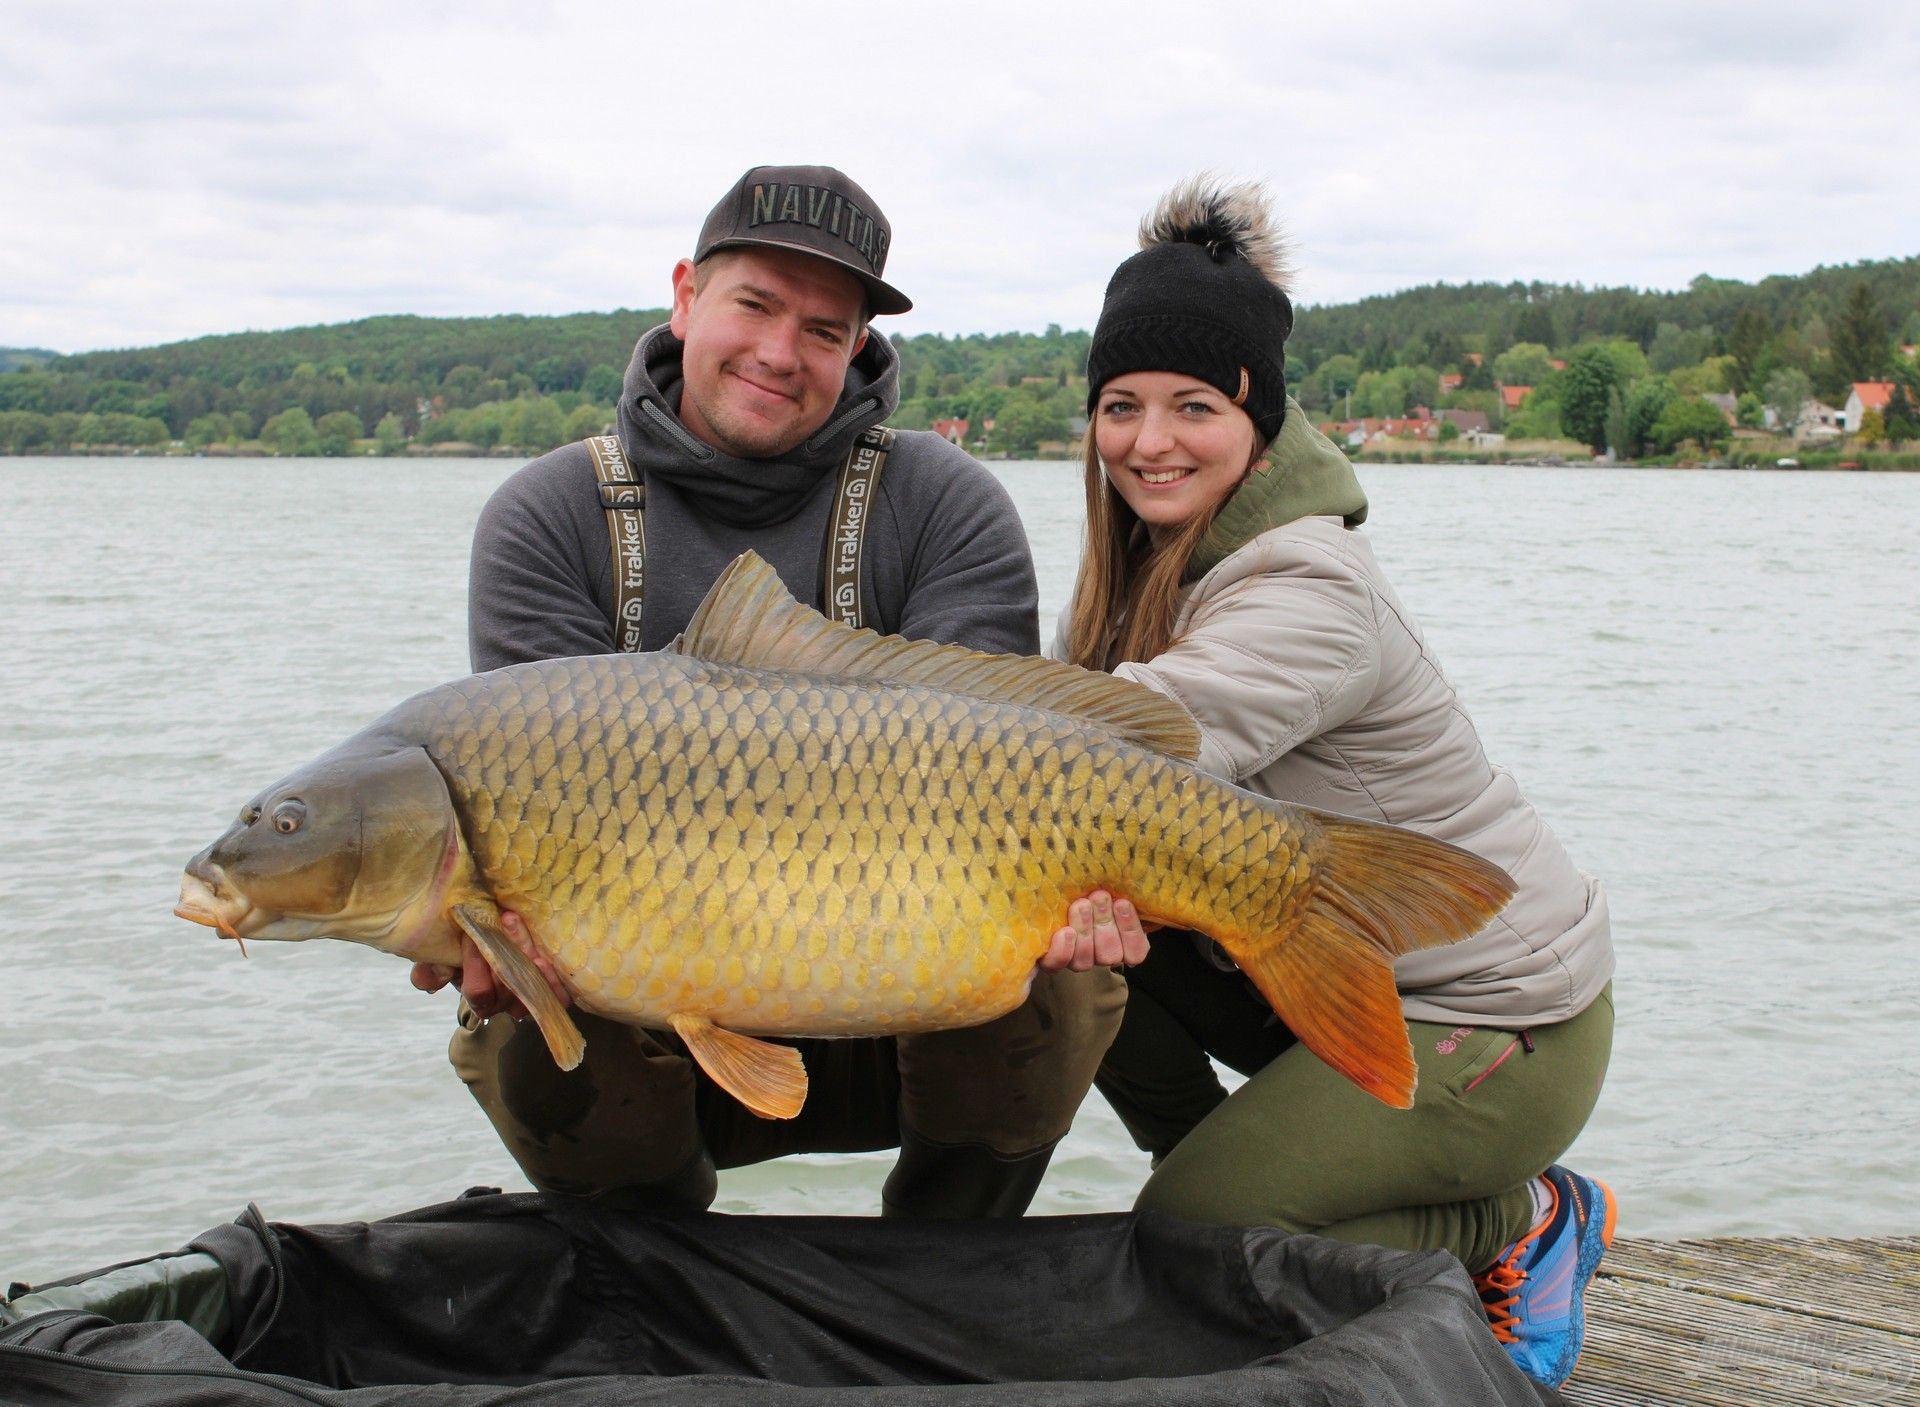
1618 435
389 436
1645 400
1590 378
1523 364
1860 344
1713 376
1787 391
1537 419
291 432
1673 347
1903 417
542 426
588 420
337 431
1535 324
1750 411
1024 421
1873 427
1690 418
1749 338
206 430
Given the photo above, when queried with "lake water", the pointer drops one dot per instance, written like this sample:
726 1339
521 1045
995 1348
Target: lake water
1708 682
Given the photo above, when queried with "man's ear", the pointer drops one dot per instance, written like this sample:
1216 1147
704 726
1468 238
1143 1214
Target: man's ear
858 343
684 279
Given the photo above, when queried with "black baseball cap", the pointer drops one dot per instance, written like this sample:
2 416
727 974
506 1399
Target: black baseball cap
812 209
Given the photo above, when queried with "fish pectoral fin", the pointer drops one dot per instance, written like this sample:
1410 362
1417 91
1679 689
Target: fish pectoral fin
524 980
769 1079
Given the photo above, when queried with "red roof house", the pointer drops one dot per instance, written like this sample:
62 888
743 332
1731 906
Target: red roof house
1512 396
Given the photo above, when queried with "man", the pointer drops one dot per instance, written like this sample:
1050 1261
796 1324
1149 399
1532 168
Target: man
738 416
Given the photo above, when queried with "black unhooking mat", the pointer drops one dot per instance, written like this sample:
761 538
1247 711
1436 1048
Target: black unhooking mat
516 1299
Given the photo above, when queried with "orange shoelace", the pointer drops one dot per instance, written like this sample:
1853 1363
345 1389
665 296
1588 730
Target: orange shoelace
1500 1291
1499 1284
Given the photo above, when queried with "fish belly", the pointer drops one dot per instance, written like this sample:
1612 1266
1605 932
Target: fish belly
788 856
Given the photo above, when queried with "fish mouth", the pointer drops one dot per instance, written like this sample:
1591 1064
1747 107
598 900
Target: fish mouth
202 902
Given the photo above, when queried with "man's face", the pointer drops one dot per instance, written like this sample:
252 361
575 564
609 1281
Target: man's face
768 336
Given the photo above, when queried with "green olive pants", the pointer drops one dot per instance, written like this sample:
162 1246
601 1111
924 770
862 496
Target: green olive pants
975 1111
1301 1148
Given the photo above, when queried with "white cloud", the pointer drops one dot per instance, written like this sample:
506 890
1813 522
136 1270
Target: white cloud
180 169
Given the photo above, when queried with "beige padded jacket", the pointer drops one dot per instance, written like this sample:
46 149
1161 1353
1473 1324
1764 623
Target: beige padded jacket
1312 684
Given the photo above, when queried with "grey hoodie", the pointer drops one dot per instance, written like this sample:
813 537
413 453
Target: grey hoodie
946 557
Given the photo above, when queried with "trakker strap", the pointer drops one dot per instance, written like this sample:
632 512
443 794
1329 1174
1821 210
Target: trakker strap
624 497
846 533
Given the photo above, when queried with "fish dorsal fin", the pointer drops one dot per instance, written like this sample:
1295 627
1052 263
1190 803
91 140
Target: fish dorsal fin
750 619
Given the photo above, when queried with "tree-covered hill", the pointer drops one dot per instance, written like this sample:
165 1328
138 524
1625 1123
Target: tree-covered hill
532 382
12 358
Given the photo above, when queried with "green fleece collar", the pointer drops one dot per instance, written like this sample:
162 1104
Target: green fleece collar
1303 476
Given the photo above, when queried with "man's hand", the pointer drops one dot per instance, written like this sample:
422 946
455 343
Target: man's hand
484 992
1101 930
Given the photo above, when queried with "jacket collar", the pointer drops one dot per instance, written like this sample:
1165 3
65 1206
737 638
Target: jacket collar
1303 475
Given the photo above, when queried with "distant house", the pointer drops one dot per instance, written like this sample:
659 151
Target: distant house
1467 422
1450 381
952 431
1865 396
1512 396
1484 439
1477 358
1817 422
1726 403
1376 430
1910 350
1559 365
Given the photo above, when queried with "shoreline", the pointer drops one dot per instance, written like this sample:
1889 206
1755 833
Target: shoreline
1860 462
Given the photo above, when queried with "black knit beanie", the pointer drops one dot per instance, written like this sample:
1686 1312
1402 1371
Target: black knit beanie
1203 297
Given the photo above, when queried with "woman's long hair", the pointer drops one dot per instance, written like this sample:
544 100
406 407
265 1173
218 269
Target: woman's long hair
1128 591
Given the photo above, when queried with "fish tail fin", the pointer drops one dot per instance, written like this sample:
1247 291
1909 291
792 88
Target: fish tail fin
1372 893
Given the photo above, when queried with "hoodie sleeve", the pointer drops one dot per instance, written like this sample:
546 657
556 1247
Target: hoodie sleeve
969 572
1275 659
534 587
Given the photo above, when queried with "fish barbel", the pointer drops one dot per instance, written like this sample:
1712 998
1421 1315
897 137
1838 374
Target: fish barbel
786 827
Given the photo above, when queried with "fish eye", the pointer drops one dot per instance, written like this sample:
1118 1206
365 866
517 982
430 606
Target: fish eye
289 816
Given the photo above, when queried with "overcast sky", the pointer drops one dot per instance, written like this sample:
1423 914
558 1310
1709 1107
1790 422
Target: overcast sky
169 170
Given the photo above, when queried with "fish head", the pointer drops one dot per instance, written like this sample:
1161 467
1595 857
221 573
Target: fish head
362 845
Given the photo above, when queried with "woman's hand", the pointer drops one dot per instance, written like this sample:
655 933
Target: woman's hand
484 992
1101 930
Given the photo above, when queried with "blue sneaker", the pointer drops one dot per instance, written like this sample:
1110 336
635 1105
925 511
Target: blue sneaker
1533 1294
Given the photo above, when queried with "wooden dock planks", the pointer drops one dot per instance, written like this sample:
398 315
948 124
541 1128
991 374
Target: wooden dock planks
1807 1321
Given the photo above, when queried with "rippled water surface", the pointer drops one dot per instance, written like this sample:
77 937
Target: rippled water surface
1707 682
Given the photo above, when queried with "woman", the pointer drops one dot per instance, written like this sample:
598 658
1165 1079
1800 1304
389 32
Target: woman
1222 567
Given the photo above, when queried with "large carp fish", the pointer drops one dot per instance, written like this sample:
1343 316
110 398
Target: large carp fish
786 827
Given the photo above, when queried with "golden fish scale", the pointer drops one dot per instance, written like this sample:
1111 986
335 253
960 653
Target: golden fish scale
787 855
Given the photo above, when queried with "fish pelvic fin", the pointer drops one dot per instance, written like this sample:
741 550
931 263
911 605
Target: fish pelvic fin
1374 892
750 619
524 980
768 1078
